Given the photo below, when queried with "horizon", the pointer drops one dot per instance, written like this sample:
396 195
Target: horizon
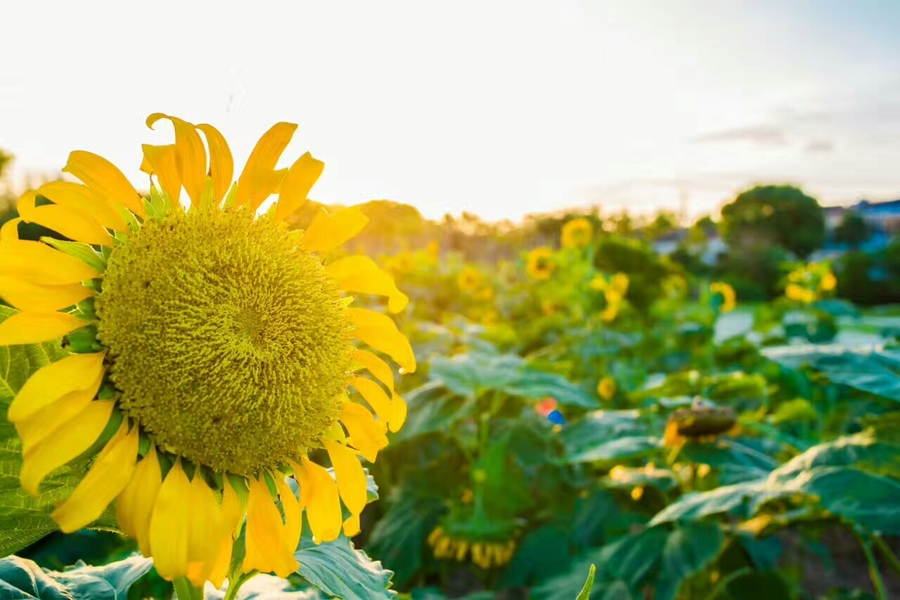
527 109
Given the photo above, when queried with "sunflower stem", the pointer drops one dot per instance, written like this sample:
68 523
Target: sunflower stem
234 587
185 591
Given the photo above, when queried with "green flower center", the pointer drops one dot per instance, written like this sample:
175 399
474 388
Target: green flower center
229 344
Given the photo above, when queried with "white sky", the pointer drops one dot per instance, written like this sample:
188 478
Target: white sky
499 108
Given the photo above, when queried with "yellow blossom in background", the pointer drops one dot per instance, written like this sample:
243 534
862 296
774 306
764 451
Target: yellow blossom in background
548 307
577 233
214 344
798 293
607 387
828 282
469 279
539 264
433 252
729 297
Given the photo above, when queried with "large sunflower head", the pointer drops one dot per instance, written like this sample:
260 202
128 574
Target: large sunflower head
211 350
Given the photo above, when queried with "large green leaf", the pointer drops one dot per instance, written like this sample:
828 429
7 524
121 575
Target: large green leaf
470 375
872 370
23 578
862 450
859 497
742 499
601 426
24 519
340 570
399 537
432 408
615 450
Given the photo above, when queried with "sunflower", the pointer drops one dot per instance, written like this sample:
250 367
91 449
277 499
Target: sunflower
469 279
798 293
539 263
606 389
485 554
727 296
210 353
577 233
700 423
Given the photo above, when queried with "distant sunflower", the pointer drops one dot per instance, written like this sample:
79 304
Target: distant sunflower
485 554
727 295
469 279
211 350
540 263
577 233
606 389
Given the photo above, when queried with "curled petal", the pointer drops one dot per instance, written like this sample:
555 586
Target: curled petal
329 230
366 434
77 196
380 332
258 179
190 155
319 497
161 161
47 384
360 274
351 481
266 544
70 222
26 295
377 367
221 163
108 476
36 328
297 183
69 443
41 264
106 179
374 395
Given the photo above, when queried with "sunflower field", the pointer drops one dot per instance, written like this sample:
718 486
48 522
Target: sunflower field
193 408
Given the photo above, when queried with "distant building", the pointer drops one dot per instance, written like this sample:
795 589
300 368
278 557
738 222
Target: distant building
882 217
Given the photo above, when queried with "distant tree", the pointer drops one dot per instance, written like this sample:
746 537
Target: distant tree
853 230
772 214
5 160
663 224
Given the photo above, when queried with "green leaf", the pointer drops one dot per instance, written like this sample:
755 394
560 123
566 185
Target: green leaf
690 547
585 593
470 375
398 538
338 569
432 408
615 450
24 519
633 557
742 499
542 554
870 500
872 370
862 450
23 578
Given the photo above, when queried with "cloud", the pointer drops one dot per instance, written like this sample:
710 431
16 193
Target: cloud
819 147
767 135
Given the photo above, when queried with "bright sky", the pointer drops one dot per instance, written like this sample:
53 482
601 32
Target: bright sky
494 107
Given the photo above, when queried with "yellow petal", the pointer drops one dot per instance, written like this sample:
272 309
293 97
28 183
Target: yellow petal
70 222
374 395
221 163
290 506
81 197
376 367
360 274
220 567
351 479
366 434
106 179
170 523
265 542
36 328
135 504
398 414
319 496
352 526
47 384
41 264
258 179
9 232
297 183
205 531
380 332
190 155
68 444
26 295
43 423
161 161
108 476
329 230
